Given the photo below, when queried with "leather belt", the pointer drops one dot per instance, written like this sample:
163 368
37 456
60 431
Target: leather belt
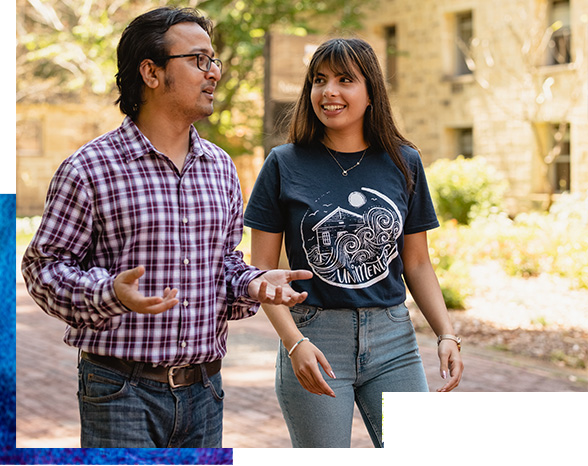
175 376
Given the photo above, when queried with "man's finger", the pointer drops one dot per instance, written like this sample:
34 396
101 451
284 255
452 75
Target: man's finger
161 307
299 275
261 293
277 298
129 276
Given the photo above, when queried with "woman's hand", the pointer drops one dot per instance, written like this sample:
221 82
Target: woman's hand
450 364
305 360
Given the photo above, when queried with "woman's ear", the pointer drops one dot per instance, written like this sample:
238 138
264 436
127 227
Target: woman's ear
148 70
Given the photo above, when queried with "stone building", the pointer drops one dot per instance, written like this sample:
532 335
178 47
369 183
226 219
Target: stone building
506 80
502 79
45 135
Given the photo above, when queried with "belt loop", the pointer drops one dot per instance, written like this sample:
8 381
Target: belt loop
136 374
205 381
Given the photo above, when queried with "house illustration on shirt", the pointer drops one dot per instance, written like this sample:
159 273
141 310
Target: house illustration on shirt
337 223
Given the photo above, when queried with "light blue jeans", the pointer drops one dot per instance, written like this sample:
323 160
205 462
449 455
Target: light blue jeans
371 351
118 411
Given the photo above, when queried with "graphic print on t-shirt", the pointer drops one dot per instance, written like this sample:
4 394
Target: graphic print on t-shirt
351 245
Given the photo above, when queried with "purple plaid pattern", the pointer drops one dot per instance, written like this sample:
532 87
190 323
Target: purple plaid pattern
118 203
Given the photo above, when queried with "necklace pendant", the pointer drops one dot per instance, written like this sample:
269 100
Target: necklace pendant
344 173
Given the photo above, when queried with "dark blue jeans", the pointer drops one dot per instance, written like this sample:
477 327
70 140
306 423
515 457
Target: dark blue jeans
119 411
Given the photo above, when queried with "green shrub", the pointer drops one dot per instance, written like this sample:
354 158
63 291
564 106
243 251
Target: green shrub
455 286
463 189
568 220
554 242
448 261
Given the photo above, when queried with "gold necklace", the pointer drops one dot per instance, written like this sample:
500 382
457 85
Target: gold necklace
343 171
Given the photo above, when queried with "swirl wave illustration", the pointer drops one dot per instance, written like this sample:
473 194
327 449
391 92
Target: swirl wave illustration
352 248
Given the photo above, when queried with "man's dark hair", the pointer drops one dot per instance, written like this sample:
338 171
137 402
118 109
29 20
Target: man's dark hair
144 38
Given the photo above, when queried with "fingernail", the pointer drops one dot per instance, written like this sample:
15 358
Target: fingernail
333 375
444 374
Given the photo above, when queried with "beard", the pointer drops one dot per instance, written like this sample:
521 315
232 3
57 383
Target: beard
194 113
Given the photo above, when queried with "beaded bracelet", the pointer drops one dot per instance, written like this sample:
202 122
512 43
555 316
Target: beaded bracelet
295 345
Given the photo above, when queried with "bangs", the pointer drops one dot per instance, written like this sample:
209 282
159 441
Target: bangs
338 56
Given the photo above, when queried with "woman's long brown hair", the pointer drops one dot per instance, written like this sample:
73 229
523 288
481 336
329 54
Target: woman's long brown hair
379 129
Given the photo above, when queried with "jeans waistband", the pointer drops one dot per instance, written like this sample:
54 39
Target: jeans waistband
175 376
303 306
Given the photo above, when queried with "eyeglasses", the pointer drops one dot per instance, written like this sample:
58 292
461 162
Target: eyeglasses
203 61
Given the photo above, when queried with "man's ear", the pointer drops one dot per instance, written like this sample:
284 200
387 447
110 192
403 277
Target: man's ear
148 71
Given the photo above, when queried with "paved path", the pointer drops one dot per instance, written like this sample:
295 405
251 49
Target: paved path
47 410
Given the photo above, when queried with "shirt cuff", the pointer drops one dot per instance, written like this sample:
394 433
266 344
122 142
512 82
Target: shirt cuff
242 291
109 308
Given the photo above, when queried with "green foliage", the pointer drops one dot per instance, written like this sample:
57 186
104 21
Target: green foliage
455 289
448 261
463 189
559 356
66 49
554 242
241 28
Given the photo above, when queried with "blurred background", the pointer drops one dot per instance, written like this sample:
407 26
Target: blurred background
495 95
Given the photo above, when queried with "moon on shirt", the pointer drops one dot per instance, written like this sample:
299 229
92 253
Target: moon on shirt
357 199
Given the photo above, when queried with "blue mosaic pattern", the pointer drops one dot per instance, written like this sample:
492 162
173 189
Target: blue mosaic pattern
9 454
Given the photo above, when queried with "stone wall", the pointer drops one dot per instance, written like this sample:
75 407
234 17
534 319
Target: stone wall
501 99
47 134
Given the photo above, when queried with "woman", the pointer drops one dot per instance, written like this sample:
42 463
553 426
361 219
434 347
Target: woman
349 195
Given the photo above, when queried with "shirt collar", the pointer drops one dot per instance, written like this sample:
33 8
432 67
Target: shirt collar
137 144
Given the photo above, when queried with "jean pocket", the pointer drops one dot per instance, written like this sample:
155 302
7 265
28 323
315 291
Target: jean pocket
99 389
304 315
216 387
398 313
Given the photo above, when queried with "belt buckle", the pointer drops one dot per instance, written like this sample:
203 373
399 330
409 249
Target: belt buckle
170 376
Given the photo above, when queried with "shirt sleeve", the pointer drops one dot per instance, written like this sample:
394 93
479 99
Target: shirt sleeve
53 265
238 274
421 214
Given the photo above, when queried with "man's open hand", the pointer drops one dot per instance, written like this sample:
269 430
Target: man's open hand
126 287
273 287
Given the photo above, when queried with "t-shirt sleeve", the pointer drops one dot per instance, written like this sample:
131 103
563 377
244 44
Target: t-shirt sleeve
421 212
264 210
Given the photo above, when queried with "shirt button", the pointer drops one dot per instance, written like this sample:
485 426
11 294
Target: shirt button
185 220
185 303
183 344
186 261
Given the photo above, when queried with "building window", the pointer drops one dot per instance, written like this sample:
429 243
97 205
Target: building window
464 138
391 56
559 158
464 32
559 47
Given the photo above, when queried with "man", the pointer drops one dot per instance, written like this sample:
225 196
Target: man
136 249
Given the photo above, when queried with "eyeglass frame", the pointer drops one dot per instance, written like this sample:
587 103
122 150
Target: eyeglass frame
211 60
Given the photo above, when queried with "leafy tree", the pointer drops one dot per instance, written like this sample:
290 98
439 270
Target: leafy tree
66 50
535 89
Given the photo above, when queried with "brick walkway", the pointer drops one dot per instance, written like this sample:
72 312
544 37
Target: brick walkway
47 410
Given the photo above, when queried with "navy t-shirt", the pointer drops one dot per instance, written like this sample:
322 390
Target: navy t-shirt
348 230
